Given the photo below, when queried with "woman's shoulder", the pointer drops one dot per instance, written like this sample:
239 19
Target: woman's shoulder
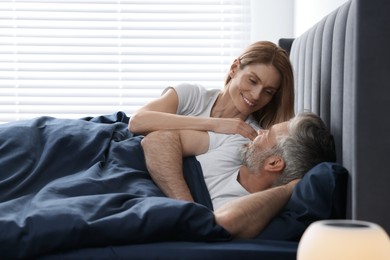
194 89
196 92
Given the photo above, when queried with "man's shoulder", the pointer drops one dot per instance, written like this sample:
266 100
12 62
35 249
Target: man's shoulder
222 141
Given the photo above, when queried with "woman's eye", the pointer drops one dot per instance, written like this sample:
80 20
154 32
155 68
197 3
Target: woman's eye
253 81
270 92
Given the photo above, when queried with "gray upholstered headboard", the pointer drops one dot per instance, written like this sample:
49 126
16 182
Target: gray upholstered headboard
342 73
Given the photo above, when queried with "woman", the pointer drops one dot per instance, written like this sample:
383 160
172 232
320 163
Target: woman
259 83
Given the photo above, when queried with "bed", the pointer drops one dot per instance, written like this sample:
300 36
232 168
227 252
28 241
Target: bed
341 73
79 188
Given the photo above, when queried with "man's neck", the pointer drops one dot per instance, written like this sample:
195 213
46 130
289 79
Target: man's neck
253 182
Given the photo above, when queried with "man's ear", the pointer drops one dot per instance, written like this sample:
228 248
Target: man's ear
274 163
234 68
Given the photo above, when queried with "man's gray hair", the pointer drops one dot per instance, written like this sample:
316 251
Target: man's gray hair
308 143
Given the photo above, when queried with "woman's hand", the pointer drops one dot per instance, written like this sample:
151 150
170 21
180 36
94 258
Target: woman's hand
234 126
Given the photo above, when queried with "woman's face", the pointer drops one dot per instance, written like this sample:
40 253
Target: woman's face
253 87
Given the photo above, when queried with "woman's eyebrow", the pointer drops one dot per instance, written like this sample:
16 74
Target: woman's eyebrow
259 78
255 75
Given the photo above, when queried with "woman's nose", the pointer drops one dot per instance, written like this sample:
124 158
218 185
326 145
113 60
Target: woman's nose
256 92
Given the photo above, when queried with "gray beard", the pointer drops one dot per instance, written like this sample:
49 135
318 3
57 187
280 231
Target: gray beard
252 158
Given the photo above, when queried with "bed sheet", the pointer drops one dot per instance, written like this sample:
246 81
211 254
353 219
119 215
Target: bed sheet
82 183
182 250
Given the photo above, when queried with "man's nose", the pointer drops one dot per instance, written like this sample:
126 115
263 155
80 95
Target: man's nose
260 132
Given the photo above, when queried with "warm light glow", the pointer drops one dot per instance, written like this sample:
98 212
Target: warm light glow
344 239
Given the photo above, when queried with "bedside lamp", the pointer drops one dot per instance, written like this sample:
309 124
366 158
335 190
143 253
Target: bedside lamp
344 240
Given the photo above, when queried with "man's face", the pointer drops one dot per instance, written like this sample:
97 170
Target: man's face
255 153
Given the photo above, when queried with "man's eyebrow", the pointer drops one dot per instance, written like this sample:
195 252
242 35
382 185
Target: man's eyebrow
273 134
270 132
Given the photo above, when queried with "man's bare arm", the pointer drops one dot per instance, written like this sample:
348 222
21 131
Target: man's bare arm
247 216
164 152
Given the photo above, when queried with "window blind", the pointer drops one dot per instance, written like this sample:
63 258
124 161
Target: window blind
75 58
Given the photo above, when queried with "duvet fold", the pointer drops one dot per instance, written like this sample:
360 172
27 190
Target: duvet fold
76 183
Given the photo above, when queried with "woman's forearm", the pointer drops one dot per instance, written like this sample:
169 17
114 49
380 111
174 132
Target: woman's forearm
144 122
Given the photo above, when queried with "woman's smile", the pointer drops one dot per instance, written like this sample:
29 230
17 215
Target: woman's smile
247 101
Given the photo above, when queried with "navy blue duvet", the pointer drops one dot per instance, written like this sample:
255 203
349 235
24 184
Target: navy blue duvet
68 184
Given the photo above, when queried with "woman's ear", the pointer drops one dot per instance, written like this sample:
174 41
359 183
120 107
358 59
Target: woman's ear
234 68
274 163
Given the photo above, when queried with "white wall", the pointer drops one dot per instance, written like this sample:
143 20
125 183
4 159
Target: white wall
272 20
309 12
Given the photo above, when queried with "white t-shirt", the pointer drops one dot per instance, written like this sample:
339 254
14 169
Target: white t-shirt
220 165
195 100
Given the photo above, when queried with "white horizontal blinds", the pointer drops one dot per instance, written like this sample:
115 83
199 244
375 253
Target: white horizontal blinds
73 58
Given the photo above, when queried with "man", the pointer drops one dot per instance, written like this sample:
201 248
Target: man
256 189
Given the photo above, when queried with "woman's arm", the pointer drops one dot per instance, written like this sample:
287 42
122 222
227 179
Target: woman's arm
160 114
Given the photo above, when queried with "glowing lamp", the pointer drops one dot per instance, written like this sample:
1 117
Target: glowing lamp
344 240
